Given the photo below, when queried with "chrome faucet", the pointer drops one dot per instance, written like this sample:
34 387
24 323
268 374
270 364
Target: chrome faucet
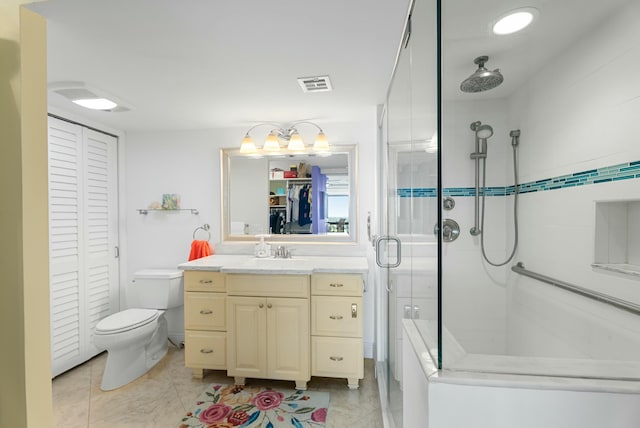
282 253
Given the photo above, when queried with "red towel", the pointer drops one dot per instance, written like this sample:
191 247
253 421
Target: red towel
199 249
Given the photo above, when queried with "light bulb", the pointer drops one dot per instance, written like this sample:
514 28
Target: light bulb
271 144
247 146
321 144
295 143
514 21
96 103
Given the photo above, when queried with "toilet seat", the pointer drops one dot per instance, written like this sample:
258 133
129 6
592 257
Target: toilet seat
126 320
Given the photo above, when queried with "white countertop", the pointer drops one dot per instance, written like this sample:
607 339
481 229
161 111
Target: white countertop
301 265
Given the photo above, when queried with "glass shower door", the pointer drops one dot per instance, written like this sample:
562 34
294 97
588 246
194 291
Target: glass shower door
407 252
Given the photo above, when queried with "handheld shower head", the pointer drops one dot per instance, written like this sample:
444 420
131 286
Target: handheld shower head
482 131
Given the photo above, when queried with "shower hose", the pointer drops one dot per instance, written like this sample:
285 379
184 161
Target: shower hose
515 210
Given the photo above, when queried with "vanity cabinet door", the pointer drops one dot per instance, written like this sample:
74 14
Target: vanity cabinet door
205 349
207 311
268 338
247 336
331 284
288 338
195 280
336 327
337 357
336 316
205 321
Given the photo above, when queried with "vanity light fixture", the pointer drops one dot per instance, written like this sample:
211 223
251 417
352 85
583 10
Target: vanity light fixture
515 20
282 135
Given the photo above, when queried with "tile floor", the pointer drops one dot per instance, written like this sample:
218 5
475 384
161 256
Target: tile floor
160 398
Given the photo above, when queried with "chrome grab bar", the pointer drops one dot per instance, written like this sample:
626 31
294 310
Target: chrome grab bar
600 297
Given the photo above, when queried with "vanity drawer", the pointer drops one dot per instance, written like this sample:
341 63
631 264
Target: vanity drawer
202 280
268 285
205 349
205 311
336 284
337 357
336 316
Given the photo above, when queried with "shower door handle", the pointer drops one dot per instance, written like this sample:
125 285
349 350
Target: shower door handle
398 252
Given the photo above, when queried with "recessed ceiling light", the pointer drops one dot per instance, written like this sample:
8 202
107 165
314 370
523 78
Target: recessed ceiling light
96 103
515 20
87 97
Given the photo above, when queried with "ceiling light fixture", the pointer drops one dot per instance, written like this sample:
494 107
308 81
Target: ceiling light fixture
515 20
88 97
282 135
96 103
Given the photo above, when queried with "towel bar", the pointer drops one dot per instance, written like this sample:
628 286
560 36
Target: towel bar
204 227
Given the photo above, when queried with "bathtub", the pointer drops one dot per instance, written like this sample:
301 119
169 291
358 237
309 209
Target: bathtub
575 364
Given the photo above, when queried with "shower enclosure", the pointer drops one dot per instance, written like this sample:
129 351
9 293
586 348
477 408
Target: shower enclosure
509 226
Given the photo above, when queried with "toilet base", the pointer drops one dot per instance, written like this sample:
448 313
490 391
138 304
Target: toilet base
126 364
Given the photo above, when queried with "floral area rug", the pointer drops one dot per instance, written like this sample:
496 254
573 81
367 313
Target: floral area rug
230 406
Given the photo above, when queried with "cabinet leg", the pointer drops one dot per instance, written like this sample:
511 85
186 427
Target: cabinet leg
352 383
301 385
239 380
198 373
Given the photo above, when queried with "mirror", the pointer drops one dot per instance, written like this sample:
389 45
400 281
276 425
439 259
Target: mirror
304 197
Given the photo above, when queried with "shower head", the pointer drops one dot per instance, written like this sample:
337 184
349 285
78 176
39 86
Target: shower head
482 131
482 79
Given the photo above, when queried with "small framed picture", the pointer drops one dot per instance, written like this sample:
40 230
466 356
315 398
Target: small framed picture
170 201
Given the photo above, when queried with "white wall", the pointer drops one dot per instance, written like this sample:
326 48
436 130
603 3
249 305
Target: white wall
473 291
580 112
188 163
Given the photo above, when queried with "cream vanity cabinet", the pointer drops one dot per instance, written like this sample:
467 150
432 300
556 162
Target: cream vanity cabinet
336 327
205 321
268 327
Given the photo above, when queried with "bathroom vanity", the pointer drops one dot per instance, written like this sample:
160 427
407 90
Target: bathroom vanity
286 319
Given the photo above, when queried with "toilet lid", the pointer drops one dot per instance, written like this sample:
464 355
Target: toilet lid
126 320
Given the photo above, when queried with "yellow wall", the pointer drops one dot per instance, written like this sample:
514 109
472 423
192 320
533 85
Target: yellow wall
25 374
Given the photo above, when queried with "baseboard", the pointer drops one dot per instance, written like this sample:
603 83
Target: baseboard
177 339
368 349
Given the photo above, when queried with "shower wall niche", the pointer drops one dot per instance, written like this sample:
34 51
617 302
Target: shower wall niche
617 237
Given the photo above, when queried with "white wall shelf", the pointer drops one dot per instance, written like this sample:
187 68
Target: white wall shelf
145 211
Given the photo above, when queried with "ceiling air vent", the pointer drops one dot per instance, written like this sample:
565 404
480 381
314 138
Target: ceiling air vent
315 84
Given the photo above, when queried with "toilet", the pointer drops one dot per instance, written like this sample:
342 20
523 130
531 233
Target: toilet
136 339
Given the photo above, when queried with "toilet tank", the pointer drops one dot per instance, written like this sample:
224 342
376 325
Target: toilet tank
158 288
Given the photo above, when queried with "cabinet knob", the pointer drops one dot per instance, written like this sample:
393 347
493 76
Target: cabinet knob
335 317
206 311
336 285
206 281
261 305
336 358
206 351
269 305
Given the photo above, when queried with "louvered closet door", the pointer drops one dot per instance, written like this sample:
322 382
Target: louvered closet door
83 236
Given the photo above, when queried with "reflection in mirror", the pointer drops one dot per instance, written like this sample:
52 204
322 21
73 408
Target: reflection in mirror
297 197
